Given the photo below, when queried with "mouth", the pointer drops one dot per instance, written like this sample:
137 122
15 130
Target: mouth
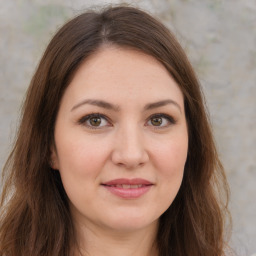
128 188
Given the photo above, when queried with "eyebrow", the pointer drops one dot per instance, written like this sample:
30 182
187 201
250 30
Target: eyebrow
107 105
99 103
162 103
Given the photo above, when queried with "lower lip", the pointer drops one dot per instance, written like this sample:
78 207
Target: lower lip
130 193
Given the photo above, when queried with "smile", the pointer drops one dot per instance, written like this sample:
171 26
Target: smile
128 189
127 186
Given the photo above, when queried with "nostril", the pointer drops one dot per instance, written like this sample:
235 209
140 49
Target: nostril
129 153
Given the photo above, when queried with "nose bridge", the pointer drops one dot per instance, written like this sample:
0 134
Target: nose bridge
129 149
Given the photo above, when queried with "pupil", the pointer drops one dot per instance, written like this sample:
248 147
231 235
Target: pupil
95 121
157 121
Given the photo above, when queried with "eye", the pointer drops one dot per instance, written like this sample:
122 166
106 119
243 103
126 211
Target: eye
160 120
94 121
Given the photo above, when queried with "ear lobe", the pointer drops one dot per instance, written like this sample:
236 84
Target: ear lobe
54 160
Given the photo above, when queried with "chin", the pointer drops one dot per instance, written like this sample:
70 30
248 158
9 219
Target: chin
128 223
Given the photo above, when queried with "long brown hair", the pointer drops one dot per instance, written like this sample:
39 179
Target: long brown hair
35 217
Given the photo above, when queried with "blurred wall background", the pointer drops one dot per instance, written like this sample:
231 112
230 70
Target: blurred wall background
220 39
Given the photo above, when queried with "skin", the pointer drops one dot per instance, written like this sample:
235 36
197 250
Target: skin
130 141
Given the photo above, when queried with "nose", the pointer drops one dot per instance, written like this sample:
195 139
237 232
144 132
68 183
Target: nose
129 148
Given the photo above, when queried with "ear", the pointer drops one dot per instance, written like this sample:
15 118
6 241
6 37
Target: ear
54 160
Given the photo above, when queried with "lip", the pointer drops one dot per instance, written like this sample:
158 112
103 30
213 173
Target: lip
128 188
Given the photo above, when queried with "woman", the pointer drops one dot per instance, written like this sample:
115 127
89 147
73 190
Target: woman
114 155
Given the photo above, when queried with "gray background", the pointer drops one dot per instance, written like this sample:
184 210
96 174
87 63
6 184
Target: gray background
220 40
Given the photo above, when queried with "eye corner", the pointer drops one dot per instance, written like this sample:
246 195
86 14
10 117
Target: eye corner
165 121
87 121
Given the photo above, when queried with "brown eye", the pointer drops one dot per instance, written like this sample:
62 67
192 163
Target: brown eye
95 121
156 121
160 120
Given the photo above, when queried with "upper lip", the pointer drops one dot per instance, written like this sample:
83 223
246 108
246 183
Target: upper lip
136 181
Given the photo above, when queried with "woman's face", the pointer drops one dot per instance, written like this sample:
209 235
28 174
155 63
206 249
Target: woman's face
121 140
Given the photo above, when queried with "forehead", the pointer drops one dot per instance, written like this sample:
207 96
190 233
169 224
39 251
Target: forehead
122 74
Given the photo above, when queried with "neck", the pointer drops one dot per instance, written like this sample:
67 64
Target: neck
95 241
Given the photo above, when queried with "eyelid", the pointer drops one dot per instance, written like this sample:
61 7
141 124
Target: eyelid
83 119
169 118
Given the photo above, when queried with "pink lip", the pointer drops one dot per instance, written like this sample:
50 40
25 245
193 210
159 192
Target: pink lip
138 187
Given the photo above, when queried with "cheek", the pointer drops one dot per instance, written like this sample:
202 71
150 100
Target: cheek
80 157
172 155
80 164
170 159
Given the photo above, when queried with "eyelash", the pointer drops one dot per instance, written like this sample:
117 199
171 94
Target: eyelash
170 119
84 119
